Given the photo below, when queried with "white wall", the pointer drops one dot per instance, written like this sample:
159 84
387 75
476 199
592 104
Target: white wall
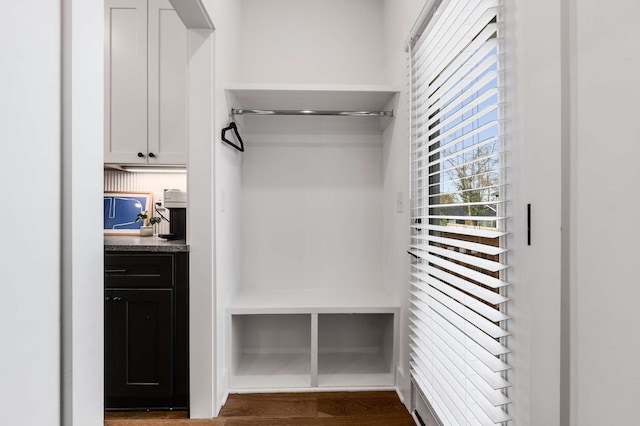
311 203
605 146
310 41
30 259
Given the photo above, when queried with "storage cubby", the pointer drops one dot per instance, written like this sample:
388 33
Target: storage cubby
312 350
271 351
355 348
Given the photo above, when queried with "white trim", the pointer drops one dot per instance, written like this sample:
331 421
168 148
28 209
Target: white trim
423 19
193 14
201 238
315 390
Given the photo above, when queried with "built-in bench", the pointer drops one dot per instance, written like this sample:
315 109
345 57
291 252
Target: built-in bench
312 339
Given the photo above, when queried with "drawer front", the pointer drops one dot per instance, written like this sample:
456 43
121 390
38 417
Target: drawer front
139 270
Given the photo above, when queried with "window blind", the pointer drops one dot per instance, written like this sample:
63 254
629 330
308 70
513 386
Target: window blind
458 320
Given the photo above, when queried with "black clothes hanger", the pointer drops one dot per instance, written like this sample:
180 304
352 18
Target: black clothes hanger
232 126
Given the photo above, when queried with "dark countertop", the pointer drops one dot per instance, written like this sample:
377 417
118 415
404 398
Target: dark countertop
148 244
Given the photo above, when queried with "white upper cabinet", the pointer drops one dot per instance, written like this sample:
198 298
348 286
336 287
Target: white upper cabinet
145 83
125 81
167 84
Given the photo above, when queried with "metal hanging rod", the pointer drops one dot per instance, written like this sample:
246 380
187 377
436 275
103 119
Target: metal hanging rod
235 111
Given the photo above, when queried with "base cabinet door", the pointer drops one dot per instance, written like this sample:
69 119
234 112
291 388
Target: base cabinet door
142 343
146 326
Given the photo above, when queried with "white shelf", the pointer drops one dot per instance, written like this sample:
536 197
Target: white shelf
362 380
272 371
347 369
266 301
352 363
313 97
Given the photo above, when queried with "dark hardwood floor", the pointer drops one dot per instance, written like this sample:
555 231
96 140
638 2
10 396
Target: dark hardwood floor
287 409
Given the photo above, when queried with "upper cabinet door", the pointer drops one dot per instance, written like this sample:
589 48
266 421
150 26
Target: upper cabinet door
125 81
167 85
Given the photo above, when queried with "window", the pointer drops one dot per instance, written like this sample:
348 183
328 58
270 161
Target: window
458 322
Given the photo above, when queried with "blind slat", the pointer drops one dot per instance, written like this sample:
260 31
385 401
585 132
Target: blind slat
449 333
482 308
472 231
454 88
474 333
474 71
443 351
452 347
451 254
465 218
485 76
459 309
462 270
482 248
442 160
463 204
482 293
474 106
469 396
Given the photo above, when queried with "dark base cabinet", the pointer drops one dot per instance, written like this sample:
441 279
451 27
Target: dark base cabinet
146 331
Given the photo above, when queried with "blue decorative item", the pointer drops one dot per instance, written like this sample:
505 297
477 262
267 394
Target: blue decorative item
121 210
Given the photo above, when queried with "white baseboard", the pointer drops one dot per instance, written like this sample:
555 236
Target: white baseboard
222 401
225 394
399 382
